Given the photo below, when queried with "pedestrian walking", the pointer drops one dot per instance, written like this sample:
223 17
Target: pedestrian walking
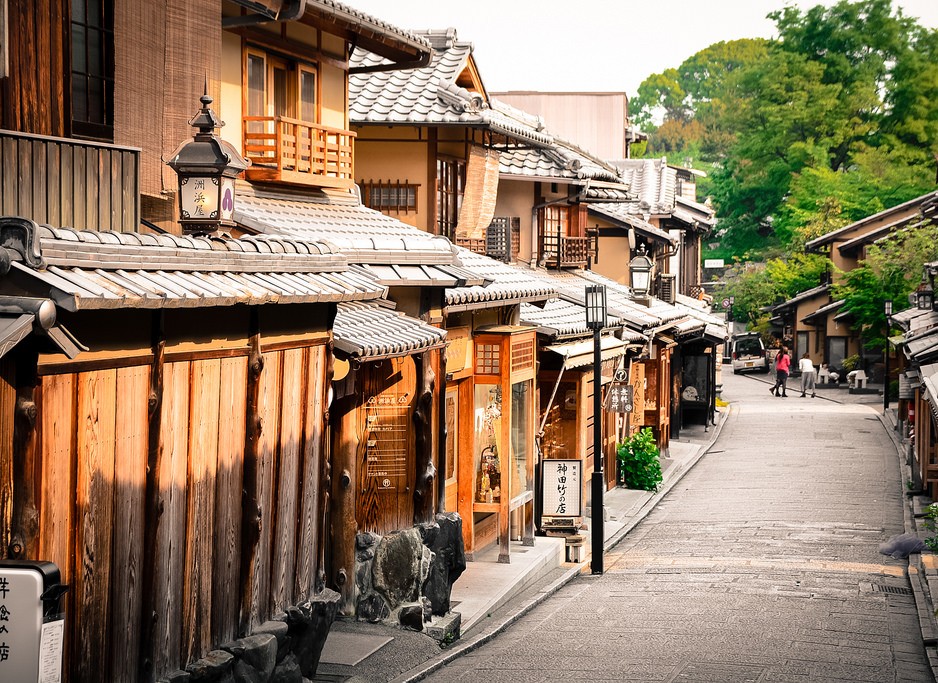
807 375
782 365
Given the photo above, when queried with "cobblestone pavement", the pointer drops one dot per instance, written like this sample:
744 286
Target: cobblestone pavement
760 565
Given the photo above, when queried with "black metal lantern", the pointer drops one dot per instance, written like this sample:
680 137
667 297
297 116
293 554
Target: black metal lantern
640 272
595 307
207 167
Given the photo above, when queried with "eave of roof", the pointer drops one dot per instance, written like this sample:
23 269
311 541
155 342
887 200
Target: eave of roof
369 331
832 236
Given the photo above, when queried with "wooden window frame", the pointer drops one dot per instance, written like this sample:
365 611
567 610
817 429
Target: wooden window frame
295 68
450 188
85 127
373 196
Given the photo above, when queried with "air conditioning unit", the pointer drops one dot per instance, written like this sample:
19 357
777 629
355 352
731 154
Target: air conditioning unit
667 284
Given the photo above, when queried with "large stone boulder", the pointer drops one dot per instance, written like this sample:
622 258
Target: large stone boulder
401 565
444 538
309 624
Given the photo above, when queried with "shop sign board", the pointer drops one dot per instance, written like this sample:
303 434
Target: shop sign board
620 398
560 482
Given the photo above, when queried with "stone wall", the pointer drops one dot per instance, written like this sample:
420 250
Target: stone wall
283 650
406 577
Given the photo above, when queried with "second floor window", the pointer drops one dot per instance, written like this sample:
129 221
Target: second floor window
92 69
280 87
450 186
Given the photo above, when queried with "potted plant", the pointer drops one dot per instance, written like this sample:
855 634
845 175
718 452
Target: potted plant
639 462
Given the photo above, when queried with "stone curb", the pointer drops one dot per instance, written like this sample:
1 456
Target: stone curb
924 603
421 671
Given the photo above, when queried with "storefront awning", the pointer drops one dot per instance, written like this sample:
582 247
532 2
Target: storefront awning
578 354
368 331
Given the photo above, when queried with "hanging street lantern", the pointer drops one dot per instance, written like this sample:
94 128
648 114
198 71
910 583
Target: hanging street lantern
640 272
924 296
207 167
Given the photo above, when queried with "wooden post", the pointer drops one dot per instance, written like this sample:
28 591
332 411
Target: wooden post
27 464
153 505
346 445
7 412
423 441
326 471
250 507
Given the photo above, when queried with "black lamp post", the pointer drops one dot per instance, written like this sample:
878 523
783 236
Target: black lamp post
640 273
596 321
887 309
207 167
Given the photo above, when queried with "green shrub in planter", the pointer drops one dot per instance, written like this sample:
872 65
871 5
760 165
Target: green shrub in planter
639 464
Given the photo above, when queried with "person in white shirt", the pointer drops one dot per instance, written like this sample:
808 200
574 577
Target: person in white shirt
807 375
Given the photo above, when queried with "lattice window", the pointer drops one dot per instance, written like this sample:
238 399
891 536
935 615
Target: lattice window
389 197
522 355
487 359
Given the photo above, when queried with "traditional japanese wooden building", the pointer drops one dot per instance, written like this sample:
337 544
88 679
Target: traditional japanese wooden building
168 449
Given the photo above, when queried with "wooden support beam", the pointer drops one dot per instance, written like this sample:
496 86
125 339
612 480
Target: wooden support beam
153 506
250 506
423 438
345 456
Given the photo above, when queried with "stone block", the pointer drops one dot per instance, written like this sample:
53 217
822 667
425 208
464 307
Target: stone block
256 658
215 667
309 624
444 538
411 617
287 671
445 629
372 608
176 677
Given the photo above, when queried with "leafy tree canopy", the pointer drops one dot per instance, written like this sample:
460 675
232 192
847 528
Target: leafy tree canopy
838 111
892 270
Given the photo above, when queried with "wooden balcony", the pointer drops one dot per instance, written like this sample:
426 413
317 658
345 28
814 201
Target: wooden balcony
297 152
563 251
66 182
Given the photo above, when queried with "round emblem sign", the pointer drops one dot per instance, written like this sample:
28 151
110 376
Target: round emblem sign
725 303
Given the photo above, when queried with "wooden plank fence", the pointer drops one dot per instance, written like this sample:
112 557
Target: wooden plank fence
150 592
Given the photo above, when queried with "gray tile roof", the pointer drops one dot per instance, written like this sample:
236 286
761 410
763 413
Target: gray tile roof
559 318
82 269
624 214
820 290
430 95
652 182
832 236
370 23
690 212
361 234
372 330
509 284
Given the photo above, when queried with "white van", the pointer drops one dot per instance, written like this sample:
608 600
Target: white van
748 353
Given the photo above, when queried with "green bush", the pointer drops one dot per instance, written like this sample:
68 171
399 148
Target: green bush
931 515
639 464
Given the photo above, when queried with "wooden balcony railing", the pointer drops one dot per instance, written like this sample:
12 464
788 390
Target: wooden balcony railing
67 182
298 152
563 251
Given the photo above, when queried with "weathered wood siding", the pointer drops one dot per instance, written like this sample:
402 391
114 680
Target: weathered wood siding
94 430
86 186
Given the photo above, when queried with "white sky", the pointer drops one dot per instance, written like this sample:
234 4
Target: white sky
592 45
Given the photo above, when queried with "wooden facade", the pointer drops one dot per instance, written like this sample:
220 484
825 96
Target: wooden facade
176 486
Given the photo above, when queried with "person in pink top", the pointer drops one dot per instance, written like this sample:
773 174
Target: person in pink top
782 365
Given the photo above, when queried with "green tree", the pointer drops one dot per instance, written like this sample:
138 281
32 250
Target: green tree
892 270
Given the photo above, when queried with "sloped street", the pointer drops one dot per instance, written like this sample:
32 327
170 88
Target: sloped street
760 565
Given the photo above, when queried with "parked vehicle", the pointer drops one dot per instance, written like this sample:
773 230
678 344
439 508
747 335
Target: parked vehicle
749 353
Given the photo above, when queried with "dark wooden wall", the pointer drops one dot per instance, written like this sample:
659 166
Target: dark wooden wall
69 183
33 96
142 469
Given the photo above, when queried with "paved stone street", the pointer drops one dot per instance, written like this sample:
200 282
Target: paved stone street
760 565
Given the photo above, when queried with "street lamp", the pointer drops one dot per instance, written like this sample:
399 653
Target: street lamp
924 296
206 167
596 321
887 309
640 273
